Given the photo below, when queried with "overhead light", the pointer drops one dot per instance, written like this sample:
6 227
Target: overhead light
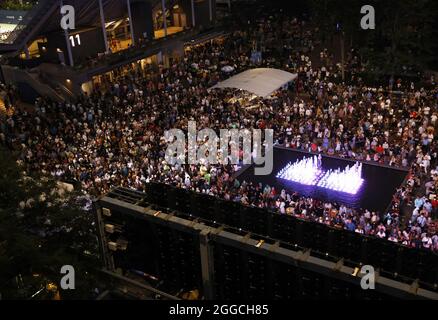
259 244
355 272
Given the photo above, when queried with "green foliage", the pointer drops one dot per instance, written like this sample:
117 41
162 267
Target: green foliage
16 5
40 235
404 40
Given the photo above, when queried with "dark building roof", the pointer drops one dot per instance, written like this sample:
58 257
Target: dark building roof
87 13
45 17
11 16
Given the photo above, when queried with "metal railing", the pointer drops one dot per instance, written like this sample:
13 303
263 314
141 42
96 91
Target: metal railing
56 85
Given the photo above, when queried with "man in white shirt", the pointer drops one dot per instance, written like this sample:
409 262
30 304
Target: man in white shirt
427 241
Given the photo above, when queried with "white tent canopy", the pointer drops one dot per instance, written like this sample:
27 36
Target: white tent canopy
260 81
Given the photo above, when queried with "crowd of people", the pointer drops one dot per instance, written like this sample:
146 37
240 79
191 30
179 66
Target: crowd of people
116 138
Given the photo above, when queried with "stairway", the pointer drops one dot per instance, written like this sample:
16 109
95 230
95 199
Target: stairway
16 76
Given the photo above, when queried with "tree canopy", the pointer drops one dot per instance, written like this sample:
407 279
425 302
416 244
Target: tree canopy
404 38
41 230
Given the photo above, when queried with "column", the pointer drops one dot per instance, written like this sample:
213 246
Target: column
130 21
163 8
102 22
193 13
207 264
68 44
210 8
69 51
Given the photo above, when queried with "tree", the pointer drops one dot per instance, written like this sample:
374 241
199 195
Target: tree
42 229
404 40
406 36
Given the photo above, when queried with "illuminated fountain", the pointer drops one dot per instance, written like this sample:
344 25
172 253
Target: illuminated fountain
306 171
348 180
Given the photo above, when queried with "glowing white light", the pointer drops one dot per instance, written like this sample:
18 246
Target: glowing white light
308 171
349 180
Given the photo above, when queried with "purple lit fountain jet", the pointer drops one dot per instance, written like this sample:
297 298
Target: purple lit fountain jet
348 180
306 171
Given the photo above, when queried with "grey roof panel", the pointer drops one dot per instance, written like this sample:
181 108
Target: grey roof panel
260 81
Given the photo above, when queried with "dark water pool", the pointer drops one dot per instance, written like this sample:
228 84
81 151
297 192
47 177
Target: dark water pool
375 193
